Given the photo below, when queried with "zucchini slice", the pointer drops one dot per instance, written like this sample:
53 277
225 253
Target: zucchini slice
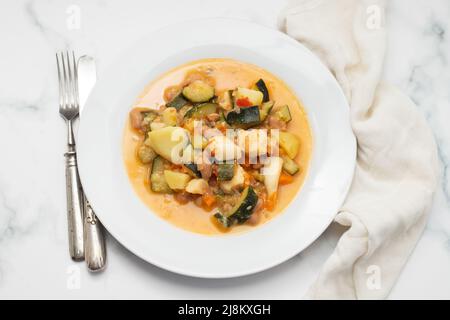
225 171
146 154
242 211
201 110
261 85
147 119
290 166
266 107
254 97
236 182
283 114
158 183
245 118
222 117
198 91
178 102
290 143
224 221
193 170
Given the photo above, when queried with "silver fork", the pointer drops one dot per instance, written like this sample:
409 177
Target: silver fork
69 109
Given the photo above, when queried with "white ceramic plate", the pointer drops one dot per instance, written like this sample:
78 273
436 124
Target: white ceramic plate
127 218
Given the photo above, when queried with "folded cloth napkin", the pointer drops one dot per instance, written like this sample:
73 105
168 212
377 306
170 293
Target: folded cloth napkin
397 167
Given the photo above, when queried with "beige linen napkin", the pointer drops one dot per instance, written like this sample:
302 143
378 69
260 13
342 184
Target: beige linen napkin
397 166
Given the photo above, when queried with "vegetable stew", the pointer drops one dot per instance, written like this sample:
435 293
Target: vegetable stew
217 146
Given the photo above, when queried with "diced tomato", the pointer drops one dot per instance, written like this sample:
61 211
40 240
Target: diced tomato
243 102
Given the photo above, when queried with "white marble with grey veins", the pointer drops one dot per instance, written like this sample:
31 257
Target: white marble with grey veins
34 261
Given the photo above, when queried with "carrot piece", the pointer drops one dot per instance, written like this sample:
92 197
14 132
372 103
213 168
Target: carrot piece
209 200
285 179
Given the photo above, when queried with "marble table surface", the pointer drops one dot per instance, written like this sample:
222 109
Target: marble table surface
34 261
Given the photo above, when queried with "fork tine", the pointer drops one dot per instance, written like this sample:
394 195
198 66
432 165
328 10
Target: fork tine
61 100
70 83
66 85
75 83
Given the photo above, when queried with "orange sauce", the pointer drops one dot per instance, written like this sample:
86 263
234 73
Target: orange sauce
228 74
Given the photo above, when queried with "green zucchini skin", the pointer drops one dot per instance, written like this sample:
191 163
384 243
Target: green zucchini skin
158 183
198 92
224 221
245 118
151 114
222 117
284 114
225 171
201 110
290 166
192 167
266 108
147 118
261 85
178 102
242 211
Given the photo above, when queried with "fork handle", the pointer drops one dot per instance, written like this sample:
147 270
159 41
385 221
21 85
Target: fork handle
74 206
94 240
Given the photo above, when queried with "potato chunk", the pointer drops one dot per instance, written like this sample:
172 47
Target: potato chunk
169 143
176 180
197 186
